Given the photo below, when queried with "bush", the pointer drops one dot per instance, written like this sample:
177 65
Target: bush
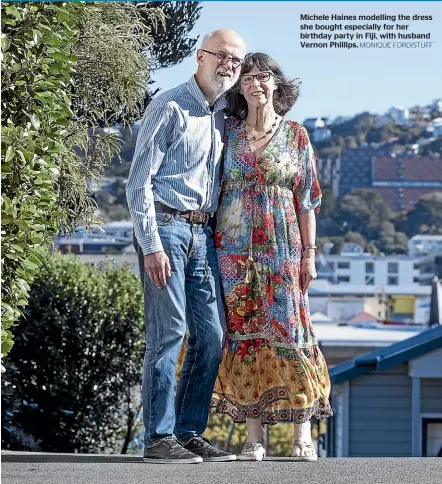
73 374
66 69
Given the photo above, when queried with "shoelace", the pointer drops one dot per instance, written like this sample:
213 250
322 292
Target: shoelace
177 449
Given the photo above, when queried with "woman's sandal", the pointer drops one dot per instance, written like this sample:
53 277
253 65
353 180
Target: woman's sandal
252 451
301 445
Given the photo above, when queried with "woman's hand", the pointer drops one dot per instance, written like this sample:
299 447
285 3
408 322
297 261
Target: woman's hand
308 270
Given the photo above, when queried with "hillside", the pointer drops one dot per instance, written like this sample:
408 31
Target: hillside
383 134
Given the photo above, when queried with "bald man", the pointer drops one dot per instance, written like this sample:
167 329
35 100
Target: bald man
172 193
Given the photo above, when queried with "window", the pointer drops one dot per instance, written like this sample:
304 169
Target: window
431 437
343 265
369 267
369 280
393 267
416 266
416 279
392 281
343 278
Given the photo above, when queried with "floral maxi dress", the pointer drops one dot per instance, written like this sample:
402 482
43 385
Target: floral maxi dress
272 367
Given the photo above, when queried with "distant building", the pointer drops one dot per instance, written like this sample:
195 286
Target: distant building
437 127
429 268
437 105
329 172
399 114
113 237
420 245
321 134
356 168
404 304
313 123
357 268
402 180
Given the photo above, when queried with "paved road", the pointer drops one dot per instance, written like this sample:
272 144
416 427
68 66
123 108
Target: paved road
272 471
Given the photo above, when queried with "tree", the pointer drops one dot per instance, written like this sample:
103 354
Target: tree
390 241
364 211
172 44
329 201
426 216
73 374
66 69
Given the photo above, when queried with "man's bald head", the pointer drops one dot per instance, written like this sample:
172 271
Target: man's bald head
223 35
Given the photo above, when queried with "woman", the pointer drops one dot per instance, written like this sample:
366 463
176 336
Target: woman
272 370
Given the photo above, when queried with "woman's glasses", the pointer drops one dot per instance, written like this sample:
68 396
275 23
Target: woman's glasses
261 77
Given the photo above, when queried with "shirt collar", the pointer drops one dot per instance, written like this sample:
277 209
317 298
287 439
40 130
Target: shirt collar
198 95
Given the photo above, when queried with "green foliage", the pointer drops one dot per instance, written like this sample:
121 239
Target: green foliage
35 112
426 217
173 44
66 69
363 218
433 148
112 71
73 374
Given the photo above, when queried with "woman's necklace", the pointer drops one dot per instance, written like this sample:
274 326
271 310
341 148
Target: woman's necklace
270 131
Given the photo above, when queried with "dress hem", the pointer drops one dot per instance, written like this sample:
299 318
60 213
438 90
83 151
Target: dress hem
321 409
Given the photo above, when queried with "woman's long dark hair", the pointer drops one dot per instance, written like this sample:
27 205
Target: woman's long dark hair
284 97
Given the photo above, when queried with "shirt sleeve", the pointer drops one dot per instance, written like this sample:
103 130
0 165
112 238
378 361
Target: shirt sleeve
153 140
307 192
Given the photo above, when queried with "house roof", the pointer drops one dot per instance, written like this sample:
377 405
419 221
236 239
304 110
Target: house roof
320 318
362 317
337 336
389 357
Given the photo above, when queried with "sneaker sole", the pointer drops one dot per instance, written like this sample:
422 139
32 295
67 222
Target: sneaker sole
256 458
193 460
226 458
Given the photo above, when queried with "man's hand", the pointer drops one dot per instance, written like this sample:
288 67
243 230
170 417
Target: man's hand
308 272
157 267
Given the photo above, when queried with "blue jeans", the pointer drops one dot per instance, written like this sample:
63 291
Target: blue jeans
192 293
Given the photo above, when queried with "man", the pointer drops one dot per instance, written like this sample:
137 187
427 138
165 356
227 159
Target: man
172 192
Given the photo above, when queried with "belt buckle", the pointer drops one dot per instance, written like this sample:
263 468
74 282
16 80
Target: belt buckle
197 217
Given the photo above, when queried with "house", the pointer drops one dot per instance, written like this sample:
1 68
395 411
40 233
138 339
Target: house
405 303
388 403
425 245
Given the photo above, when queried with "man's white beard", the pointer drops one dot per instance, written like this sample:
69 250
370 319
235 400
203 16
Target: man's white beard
218 84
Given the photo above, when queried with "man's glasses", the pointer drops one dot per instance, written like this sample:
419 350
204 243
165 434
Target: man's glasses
261 77
224 58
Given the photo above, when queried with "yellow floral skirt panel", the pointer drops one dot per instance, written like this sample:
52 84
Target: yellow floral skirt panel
270 387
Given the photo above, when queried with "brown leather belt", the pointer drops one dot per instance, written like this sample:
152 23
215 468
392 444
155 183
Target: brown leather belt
190 215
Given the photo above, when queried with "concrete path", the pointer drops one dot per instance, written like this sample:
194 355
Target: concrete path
27 468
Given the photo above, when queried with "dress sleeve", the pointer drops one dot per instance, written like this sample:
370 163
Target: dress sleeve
307 192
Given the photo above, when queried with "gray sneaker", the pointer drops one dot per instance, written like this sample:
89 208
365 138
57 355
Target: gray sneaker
169 451
202 447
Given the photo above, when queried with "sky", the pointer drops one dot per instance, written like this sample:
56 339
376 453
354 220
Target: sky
334 81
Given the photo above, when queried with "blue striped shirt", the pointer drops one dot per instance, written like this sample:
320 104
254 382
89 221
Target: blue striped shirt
177 159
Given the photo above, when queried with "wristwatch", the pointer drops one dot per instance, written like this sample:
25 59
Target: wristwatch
311 247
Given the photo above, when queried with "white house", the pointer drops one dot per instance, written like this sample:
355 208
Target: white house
399 114
420 245
357 268
341 302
